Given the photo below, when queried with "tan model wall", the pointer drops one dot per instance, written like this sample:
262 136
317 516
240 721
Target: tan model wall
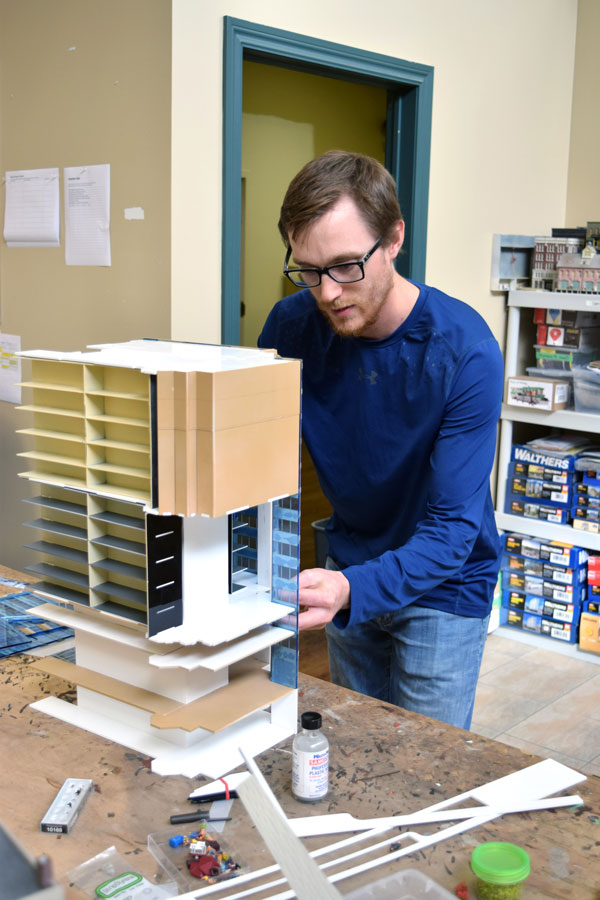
83 83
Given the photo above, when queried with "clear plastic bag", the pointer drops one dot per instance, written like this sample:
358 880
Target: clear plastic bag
109 875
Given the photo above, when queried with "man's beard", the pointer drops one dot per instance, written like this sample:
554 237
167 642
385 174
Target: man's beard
369 310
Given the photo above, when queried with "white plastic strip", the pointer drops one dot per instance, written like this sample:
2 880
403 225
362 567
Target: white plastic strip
301 871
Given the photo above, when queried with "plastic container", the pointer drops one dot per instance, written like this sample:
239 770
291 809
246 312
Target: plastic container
501 869
310 760
586 388
407 884
173 859
554 374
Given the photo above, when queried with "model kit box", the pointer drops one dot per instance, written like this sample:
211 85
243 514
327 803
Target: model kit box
569 318
534 393
516 506
565 336
529 584
530 470
593 482
563 462
592 604
548 571
541 490
561 631
586 525
589 632
551 609
557 553
592 513
516 618
582 499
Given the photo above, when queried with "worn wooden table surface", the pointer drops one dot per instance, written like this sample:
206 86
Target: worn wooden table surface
383 761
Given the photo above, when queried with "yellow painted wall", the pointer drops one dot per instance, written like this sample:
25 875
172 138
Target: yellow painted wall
84 82
290 117
583 198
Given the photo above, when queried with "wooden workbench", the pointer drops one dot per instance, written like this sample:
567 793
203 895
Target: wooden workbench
384 760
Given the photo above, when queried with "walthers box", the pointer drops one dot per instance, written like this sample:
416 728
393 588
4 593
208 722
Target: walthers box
563 462
589 491
585 501
537 393
589 632
554 551
516 618
592 480
516 506
586 512
540 490
562 631
592 605
541 569
530 470
529 584
551 609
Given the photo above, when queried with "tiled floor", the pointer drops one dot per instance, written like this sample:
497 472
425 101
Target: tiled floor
541 701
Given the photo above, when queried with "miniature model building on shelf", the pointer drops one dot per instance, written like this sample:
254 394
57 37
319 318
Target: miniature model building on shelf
167 480
565 261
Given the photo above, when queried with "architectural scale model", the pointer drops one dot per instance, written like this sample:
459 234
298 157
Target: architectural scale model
167 536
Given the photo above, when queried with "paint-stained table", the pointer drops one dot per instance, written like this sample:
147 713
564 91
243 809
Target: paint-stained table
383 761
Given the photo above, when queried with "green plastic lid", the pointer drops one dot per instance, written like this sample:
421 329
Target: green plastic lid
500 863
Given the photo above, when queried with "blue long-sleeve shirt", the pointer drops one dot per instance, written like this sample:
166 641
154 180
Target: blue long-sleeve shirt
402 432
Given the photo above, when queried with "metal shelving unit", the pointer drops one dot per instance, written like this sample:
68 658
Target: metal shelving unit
568 419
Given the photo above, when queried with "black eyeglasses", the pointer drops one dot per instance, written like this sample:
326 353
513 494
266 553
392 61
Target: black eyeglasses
343 273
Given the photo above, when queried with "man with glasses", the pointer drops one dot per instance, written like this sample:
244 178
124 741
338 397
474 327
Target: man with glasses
402 387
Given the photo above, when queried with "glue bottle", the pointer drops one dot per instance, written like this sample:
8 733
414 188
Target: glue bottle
310 760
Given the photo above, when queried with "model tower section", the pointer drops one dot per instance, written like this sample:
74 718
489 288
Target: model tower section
167 535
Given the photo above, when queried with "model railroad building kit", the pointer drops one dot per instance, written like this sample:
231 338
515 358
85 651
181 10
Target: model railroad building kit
166 534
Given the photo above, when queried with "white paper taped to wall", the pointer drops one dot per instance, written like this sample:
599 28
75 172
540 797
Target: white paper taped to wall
134 212
87 215
31 214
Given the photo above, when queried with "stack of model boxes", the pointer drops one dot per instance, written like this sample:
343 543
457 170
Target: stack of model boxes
566 342
565 338
544 586
586 505
589 629
541 485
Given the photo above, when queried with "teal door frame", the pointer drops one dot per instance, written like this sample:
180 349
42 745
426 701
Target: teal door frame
408 137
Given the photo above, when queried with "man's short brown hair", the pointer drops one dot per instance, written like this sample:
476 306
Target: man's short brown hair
323 181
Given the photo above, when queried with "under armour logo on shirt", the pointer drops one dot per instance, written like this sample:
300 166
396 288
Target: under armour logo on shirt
362 376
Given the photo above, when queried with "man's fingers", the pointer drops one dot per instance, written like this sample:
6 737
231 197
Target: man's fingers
312 618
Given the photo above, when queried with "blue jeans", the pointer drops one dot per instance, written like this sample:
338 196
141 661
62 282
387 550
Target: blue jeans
421 659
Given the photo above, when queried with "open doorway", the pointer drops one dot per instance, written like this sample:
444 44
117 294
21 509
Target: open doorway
409 91
288 118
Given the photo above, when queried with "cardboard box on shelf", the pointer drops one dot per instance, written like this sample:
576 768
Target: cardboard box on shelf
589 632
537 393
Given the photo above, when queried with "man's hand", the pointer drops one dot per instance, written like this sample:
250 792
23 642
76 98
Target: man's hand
321 594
